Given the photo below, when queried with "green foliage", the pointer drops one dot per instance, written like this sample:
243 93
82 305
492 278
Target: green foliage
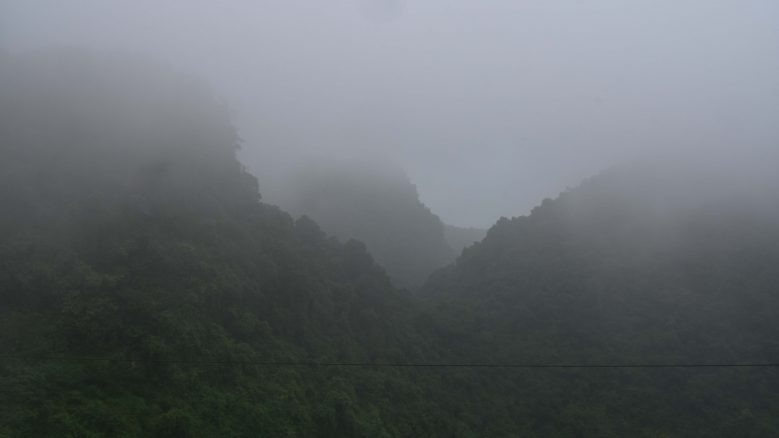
635 266
129 231
133 233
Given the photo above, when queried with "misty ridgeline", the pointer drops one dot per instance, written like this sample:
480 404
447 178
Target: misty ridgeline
147 290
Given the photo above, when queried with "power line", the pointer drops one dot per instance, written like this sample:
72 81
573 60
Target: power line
315 364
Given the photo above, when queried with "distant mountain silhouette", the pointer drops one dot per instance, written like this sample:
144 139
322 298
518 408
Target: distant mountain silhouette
377 204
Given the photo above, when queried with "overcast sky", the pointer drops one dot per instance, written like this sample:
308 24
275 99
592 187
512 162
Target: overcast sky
489 105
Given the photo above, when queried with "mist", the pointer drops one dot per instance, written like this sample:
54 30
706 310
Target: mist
489 106
385 218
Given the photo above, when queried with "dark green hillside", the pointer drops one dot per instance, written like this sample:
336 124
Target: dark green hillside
130 231
378 205
638 265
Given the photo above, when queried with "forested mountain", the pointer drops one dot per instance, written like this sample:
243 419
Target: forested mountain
377 204
640 265
130 232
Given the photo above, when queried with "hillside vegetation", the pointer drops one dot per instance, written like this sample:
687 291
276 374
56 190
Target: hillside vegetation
129 231
639 265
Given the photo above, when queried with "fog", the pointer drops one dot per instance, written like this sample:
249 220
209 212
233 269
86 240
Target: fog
488 106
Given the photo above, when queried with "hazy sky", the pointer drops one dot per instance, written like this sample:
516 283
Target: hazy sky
489 105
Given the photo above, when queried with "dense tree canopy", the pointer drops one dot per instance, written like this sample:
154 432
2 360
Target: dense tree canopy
639 265
129 231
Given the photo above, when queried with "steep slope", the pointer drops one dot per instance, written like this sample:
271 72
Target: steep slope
641 265
129 231
378 205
